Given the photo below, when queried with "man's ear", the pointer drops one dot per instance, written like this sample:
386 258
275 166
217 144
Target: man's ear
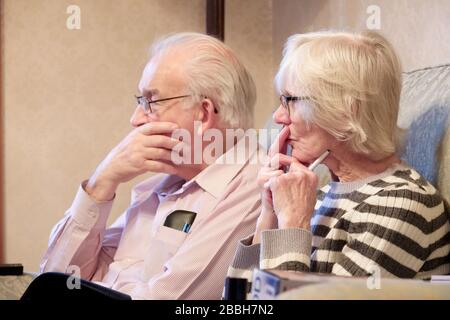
207 115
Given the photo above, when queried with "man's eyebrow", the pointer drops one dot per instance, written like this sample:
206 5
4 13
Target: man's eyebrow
149 93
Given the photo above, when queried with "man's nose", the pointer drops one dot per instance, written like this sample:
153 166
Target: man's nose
281 116
139 117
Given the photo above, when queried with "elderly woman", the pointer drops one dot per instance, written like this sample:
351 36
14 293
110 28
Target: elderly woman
340 92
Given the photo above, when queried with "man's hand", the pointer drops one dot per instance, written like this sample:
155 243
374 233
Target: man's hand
146 148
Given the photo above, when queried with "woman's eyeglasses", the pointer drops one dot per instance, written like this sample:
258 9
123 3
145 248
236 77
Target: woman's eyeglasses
286 101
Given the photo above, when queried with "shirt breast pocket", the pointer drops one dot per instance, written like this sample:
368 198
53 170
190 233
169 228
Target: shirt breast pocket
163 247
170 238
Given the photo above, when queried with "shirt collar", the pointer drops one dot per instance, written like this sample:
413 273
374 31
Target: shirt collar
216 177
169 185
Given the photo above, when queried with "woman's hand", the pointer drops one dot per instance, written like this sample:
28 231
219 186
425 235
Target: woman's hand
267 219
294 195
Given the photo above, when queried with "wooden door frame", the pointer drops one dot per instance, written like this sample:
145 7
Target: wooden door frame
215 18
2 141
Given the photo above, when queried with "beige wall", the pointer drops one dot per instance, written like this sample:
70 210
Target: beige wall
69 95
418 29
248 30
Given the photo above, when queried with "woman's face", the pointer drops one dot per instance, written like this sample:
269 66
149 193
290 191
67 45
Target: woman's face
308 141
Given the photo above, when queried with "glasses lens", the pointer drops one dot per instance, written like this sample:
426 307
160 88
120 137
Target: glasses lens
145 104
284 102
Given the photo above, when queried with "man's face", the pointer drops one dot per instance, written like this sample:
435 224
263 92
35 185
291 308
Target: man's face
163 78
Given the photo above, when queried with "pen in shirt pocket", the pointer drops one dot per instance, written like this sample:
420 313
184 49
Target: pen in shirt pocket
186 227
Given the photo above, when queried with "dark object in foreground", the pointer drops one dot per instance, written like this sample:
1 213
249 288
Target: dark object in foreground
57 286
14 269
235 289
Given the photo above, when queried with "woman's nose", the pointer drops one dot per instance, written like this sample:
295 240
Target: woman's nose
281 116
139 117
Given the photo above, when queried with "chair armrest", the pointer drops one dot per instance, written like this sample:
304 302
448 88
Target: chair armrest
12 287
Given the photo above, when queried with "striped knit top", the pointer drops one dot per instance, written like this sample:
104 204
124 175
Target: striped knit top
394 223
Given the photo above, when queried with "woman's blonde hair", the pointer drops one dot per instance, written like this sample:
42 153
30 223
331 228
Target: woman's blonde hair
353 82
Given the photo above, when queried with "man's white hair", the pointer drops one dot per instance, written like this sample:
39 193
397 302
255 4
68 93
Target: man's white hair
213 71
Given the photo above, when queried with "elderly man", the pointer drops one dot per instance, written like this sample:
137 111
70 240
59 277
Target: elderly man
190 79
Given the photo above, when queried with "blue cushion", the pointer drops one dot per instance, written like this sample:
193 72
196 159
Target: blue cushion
424 138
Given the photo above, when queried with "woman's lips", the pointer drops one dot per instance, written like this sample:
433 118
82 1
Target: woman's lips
291 142
294 153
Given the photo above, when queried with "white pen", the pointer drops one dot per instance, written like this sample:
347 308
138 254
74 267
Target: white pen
311 167
319 160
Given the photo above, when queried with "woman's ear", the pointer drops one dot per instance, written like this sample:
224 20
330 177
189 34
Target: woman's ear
207 115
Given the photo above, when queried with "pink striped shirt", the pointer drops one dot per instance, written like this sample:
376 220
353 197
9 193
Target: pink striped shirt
139 256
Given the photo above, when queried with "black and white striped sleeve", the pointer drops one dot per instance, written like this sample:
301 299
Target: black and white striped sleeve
395 234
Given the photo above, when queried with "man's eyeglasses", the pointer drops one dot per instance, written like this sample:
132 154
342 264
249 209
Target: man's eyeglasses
145 103
285 102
